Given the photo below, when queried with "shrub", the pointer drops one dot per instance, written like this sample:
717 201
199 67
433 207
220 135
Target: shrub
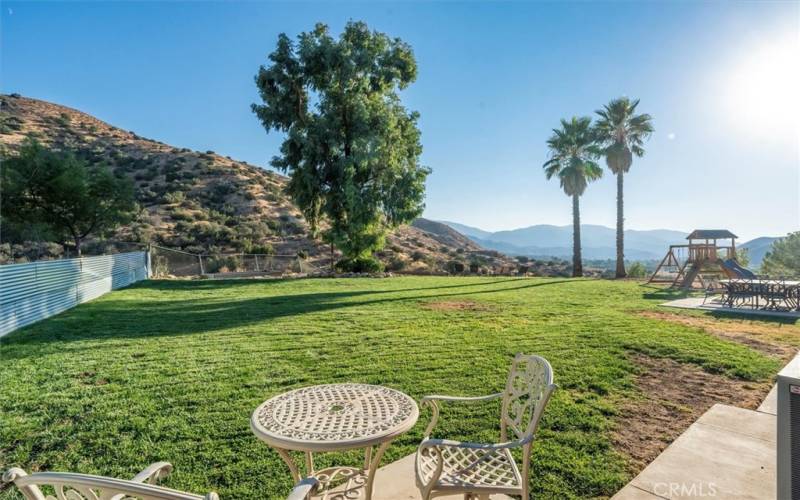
396 264
455 267
522 259
175 197
417 256
360 265
181 214
222 264
63 119
265 248
637 270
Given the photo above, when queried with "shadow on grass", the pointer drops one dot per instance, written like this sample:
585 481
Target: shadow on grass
114 319
744 316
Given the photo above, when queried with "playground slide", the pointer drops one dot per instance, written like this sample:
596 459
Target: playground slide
736 270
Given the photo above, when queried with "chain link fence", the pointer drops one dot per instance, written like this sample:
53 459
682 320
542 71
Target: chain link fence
167 262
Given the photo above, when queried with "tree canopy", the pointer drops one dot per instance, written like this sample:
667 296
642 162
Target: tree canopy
622 133
573 155
64 196
783 259
351 148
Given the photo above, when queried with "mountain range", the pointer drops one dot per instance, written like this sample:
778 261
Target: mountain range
598 242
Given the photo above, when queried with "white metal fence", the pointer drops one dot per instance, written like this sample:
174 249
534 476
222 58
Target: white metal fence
36 290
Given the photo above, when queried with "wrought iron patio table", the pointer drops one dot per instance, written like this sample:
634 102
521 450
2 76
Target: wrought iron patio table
335 417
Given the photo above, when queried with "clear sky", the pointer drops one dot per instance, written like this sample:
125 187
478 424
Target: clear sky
721 79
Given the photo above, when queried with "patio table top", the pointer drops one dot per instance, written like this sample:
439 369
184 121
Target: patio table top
334 417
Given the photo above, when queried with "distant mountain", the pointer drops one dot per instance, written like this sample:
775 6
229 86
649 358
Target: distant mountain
472 232
758 248
599 242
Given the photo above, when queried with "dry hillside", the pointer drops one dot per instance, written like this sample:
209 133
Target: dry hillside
204 202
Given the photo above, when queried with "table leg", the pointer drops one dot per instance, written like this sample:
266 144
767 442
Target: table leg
367 457
373 467
309 464
292 466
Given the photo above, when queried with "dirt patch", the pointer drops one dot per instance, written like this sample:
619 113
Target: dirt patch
674 395
758 336
456 305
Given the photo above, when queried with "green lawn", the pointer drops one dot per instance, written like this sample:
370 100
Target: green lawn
171 370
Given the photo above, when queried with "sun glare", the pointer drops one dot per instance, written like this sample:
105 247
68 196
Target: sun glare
761 89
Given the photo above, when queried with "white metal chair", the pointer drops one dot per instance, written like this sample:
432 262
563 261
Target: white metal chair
71 486
446 467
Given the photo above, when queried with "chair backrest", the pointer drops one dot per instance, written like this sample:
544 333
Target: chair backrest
530 383
70 486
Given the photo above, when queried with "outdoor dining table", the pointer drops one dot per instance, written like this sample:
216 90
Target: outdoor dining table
335 417
766 293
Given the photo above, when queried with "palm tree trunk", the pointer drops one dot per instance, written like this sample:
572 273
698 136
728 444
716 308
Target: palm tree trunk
577 261
620 229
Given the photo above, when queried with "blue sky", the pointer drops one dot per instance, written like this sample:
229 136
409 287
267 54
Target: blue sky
720 79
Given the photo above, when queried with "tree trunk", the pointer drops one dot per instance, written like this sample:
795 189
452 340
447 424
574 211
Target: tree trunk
620 229
577 261
78 246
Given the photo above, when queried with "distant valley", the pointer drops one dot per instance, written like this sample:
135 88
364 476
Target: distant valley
598 242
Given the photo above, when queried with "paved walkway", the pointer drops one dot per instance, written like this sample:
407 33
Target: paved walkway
395 481
728 452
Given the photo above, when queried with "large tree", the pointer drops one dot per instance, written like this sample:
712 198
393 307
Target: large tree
572 159
622 134
351 148
783 259
70 198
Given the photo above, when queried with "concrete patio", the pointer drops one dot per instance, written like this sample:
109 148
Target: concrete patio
728 452
711 305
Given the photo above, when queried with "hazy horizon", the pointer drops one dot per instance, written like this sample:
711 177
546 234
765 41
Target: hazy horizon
720 80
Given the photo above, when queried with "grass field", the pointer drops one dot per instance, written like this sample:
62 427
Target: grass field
171 370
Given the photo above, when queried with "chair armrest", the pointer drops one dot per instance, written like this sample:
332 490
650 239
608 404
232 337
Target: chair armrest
433 400
303 489
461 399
153 473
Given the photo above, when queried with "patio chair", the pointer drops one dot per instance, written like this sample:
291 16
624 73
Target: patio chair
476 470
71 486
715 288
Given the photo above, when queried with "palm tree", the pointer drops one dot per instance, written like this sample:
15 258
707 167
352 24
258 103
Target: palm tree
572 159
621 133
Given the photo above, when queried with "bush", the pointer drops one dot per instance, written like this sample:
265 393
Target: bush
266 249
222 264
637 270
522 259
175 197
417 256
360 265
455 267
396 264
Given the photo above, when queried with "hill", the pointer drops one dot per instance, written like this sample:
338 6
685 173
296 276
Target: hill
203 202
757 249
598 241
